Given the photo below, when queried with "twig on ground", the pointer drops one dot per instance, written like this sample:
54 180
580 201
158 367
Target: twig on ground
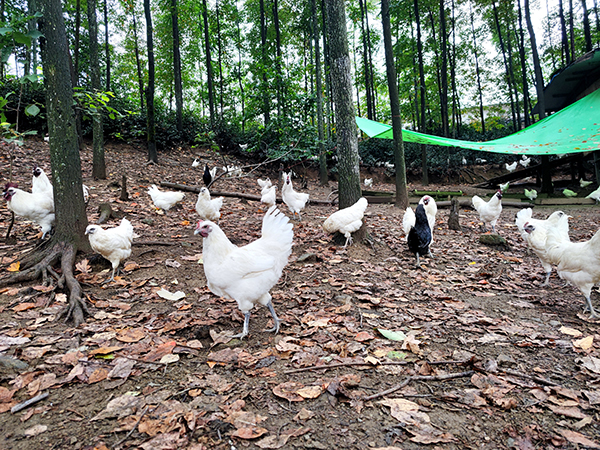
29 402
133 429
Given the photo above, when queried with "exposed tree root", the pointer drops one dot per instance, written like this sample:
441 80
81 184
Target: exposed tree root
46 258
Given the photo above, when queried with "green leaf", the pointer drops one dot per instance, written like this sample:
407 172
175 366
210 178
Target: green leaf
4 31
392 335
21 38
34 34
32 110
396 355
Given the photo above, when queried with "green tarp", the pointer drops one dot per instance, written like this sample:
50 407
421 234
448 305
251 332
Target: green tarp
573 129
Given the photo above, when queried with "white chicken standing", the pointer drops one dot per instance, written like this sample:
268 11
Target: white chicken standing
530 194
489 212
595 195
40 182
347 220
511 167
164 200
557 219
247 274
577 262
409 218
207 208
113 244
525 161
38 208
268 195
368 182
296 201
264 183
583 183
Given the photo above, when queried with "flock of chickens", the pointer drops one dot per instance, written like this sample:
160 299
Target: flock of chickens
247 274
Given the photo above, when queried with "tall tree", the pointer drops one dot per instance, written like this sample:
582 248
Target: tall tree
138 64
422 91
151 120
401 191
323 175
98 164
71 220
209 70
177 67
107 46
444 70
264 65
347 137
477 70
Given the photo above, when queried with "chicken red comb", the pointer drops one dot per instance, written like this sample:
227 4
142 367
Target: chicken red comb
9 185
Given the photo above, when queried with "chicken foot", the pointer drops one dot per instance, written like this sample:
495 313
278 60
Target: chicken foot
245 331
590 308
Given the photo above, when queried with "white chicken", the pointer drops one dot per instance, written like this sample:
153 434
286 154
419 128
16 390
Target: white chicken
504 187
595 195
38 208
489 212
577 262
40 182
583 183
346 221
525 161
264 183
164 200
409 218
531 194
557 219
113 244
368 182
196 162
247 274
296 201
207 208
268 195
511 167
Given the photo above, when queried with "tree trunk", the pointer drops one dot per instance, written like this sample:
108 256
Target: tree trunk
98 164
546 187
422 93
444 71
524 78
401 192
323 175
151 121
366 71
341 77
177 68
281 94
586 27
265 64
107 46
477 72
563 33
220 60
209 71
138 63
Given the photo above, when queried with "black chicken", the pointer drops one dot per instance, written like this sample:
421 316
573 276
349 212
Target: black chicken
419 236
207 176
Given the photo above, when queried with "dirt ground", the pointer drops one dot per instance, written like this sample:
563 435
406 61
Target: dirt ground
471 351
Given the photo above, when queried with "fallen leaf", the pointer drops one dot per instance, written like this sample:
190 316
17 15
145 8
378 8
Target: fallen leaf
130 335
163 293
249 432
578 438
570 331
392 335
289 391
83 266
14 267
35 430
364 336
584 343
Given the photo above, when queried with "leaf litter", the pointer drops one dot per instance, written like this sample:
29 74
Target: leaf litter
472 351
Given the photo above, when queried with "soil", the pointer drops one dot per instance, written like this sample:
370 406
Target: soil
475 351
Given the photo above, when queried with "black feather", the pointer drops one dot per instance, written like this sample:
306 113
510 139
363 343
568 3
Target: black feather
206 177
419 236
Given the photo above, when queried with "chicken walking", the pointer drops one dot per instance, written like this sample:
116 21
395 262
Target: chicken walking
113 244
247 274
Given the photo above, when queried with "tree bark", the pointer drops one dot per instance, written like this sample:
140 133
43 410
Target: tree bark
401 191
107 46
323 175
341 77
177 67
151 121
98 163
209 71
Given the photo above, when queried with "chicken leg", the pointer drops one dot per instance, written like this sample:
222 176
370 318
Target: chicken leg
245 331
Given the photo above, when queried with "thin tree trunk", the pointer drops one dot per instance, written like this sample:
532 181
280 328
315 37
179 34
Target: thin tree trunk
151 121
98 164
106 46
401 191
444 71
366 71
209 71
422 93
563 32
323 176
263 46
220 60
177 67
524 79
281 94
138 64
586 27
477 72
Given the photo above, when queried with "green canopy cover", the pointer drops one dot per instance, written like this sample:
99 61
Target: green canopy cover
573 129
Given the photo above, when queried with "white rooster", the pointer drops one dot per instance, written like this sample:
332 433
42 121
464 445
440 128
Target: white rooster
489 212
247 274
525 161
113 244
164 200
530 194
595 195
557 219
511 167
40 182
38 208
577 262
346 221
268 195
368 182
409 218
207 208
296 201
